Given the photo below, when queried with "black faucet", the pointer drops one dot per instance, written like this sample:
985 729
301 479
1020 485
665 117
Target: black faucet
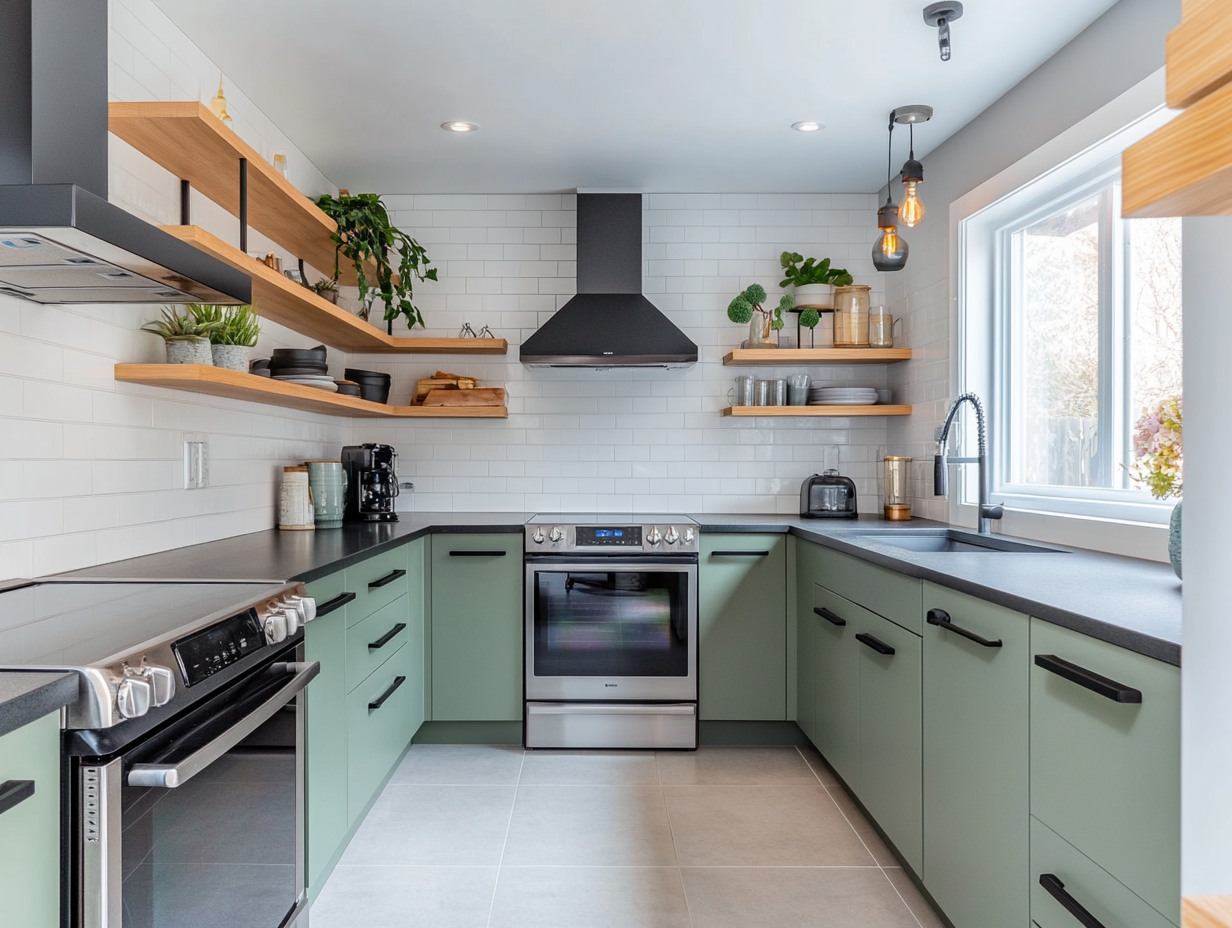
987 511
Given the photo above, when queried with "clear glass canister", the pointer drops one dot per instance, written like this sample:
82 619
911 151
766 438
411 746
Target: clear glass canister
851 316
897 483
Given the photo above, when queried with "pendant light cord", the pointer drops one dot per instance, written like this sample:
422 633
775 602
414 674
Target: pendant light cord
890 158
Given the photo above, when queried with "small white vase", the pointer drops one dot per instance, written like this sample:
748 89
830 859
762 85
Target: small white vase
817 296
189 351
232 357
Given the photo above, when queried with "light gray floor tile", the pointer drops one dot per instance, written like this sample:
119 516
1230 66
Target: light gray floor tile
868 834
453 764
770 826
587 768
404 897
794 898
724 766
589 826
590 897
915 901
819 766
435 825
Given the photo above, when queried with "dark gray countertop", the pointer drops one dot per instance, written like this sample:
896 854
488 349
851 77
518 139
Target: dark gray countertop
29 695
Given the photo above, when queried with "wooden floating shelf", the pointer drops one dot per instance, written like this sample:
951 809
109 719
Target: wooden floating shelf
820 412
194 145
236 385
750 357
282 300
1199 52
1206 912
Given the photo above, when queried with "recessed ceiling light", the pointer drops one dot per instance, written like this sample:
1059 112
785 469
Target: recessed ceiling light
809 125
459 126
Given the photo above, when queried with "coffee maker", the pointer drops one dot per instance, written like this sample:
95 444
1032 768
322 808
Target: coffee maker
372 483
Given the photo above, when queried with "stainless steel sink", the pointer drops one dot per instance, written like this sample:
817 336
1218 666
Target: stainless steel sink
950 541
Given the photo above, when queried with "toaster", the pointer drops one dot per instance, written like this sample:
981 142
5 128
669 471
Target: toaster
828 496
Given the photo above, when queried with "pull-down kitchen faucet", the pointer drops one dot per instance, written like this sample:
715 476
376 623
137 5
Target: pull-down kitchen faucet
987 512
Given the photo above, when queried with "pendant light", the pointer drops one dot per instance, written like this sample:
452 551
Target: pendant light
912 210
941 14
890 249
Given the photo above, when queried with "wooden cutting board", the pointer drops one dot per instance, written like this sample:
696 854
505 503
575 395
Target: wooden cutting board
480 396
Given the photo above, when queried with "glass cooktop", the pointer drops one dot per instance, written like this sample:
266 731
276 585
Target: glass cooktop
609 518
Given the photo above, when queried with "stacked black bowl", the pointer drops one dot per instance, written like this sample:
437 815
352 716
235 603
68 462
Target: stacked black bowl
299 362
373 385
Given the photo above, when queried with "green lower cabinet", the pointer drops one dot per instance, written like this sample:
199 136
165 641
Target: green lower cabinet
476 627
976 789
742 613
890 731
808 570
836 689
30 830
379 727
1069 879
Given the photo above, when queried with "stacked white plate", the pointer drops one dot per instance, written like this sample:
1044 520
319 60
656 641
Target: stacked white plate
320 381
842 396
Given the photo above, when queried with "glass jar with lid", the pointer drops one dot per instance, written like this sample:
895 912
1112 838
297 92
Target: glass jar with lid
896 471
851 316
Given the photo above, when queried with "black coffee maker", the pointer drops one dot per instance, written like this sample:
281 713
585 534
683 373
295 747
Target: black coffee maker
372 483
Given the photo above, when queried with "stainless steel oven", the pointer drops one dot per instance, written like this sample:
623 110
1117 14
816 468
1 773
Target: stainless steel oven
611 632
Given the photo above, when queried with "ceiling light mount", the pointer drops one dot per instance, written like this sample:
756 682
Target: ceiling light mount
941 14
910 115
460 126
808 125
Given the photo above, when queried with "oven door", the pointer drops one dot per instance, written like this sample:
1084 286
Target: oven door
202 822
611 628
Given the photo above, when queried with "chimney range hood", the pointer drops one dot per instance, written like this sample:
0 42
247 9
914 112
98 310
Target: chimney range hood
61 241
608 323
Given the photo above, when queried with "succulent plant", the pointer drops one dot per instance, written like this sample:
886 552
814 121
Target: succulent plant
173 327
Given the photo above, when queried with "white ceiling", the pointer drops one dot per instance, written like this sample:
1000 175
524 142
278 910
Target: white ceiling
657 95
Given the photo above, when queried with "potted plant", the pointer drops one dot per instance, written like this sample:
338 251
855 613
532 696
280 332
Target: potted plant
326 288
233 332
367 239
747 307
813 279
187 339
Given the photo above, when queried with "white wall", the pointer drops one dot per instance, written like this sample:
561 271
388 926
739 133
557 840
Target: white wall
624 440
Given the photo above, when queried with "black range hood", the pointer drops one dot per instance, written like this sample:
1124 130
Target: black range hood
609 323
61 241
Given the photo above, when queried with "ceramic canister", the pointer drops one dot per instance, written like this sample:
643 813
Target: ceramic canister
328 482
295 505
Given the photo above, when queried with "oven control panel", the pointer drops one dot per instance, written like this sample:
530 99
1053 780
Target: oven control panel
218 646
614 538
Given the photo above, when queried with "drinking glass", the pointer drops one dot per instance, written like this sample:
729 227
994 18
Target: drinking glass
798 389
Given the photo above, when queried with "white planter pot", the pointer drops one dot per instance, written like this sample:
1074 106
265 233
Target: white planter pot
232 357
189 351
818 296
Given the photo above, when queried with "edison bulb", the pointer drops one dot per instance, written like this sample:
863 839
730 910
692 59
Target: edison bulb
890 251
889 243
912 210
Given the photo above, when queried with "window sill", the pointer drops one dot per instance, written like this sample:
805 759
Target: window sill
1146 540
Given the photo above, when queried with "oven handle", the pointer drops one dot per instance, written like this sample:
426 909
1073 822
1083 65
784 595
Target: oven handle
613 708
601 564
169 776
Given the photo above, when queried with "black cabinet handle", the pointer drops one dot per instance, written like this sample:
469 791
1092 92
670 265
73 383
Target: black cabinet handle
829 616
739 553
1056 889
336 603
398 681
1096 683
386 638
388 578
14 793
478 553
877 645
941 619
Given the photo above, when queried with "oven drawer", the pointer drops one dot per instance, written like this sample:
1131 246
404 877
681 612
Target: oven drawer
611 725
371 641
376 582
380 713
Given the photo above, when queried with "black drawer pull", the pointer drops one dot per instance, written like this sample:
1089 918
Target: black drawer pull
739 553
877 645
398 681
478 553
1056 889
1093 681
829 616
14 793
386 638
388 578
941 619
336 603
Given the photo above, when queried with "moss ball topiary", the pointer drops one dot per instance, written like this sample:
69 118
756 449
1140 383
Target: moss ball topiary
739 310
755 293
809 318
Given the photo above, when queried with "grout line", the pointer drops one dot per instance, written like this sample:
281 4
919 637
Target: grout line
672 831
505 844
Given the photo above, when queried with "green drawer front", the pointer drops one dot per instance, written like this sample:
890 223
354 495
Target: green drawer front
807 632
885 592
326 774
1109 901
361 577
1105 775
976 790
30 831
380 629
376 738
836 697
890 731
324 589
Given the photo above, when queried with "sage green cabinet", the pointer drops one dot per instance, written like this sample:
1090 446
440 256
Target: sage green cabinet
476 627
1105 774
808 570
742 618
836 689
30 830
976 758
878 589
379 720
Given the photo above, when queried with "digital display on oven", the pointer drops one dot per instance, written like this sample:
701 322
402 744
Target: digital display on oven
610 535
218 646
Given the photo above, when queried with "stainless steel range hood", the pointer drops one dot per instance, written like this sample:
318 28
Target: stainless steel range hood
60 240
609 323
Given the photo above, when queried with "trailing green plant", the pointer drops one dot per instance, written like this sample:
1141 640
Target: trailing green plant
802 272
174 327
228 325
367 239
741 309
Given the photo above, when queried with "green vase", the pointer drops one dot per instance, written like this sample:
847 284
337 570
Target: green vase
1174 539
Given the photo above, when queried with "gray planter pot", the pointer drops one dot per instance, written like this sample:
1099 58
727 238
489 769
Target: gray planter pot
189 351
232 357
